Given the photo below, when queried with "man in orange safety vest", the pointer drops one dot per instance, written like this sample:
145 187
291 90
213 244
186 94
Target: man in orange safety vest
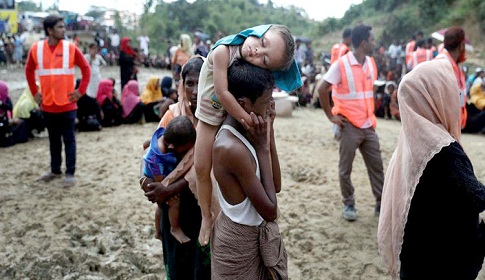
53 61
352 78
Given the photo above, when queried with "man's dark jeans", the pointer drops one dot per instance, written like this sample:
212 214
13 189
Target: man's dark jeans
62 125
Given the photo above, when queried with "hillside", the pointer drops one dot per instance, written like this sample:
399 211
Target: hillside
398 19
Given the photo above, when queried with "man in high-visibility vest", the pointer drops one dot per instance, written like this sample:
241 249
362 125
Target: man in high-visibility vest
410 46
340 49
421 54
352 77
53 61
454 51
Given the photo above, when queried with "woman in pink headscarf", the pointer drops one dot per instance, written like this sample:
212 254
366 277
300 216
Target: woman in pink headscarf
429 222
110 105
132 106
12 131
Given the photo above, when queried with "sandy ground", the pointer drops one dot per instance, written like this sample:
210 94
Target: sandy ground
103 227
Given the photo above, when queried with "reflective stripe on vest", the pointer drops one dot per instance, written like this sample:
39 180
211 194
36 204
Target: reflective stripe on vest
421 55
56 71
338 50
356 104
65 70
460 78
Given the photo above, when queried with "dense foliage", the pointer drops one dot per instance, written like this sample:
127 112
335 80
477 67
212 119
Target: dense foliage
392 19
398 19
166 21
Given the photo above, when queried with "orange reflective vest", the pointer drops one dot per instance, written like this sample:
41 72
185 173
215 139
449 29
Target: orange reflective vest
338 50
409 51
353 97
55 71
460 78
420 55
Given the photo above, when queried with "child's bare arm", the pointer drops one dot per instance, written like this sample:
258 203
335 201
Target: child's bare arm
220 61
275 163
158 178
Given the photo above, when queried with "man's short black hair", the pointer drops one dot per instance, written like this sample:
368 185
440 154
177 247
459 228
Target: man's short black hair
50 21
360 33
180 131
420 44
347 33
247 80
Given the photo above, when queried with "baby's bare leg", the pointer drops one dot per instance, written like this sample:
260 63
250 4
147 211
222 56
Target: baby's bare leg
158 231
173 216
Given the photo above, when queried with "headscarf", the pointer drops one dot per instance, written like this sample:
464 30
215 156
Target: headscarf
105 90
25 105
166 85
125 48
182 108
152 91
388 84
186 44
129 97
3 95
430 115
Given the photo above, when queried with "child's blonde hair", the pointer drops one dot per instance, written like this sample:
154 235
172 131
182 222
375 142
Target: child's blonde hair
288 55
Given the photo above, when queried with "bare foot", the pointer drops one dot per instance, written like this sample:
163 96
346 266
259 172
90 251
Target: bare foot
158 235
205 230
179 235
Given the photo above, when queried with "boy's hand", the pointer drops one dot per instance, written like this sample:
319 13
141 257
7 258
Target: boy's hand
272 110
74 96
258 134
38 98
247 122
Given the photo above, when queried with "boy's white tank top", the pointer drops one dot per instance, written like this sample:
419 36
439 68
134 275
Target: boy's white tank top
243 213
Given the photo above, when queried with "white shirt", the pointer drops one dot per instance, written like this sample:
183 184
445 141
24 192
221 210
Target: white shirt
394 51
144 40
115 39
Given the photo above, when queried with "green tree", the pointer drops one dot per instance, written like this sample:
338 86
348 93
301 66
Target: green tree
28 6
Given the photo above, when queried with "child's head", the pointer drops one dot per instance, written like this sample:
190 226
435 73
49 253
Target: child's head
93 48
273 51
252 86
179 136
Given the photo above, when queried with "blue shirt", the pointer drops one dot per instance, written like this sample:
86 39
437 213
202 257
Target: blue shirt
155 162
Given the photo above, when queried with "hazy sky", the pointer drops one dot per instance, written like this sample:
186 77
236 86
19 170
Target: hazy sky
316 9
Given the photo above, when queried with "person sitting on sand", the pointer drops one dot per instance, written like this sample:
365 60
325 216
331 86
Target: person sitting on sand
166 148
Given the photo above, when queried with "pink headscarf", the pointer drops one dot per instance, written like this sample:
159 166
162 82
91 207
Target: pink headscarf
129 97
430 116
3 95
105 90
